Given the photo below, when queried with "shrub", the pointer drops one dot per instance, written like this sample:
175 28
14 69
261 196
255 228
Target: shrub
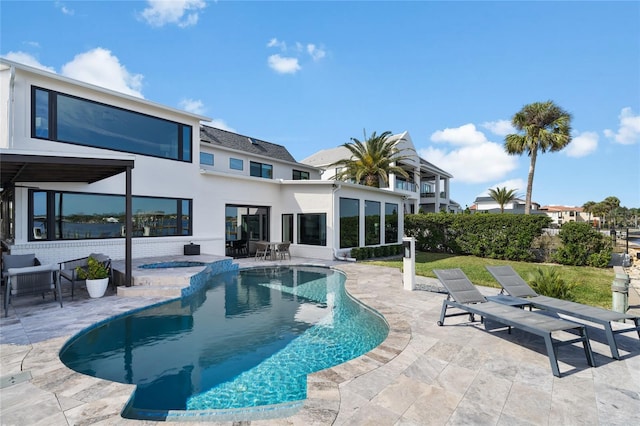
548 282
496 236
581 244
355 253
600 259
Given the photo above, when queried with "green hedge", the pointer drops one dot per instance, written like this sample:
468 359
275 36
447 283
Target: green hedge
496 236
362 253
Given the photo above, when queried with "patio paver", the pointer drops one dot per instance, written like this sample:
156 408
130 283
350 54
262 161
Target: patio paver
421 375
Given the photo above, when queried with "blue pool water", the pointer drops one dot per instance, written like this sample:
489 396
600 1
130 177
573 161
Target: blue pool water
248 338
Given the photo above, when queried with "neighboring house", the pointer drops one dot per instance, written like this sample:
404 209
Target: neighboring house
563 214
427 188
487 204
85 169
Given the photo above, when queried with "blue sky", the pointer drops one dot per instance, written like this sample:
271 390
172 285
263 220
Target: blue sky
312 75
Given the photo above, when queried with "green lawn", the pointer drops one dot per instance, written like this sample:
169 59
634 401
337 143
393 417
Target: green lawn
593 285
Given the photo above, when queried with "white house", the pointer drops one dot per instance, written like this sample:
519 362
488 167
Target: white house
426 189
487 204
85 169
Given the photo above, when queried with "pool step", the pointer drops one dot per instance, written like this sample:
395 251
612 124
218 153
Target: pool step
155 285
149 291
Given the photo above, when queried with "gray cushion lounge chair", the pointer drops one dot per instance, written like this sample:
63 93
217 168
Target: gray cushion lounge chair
515 286
467 298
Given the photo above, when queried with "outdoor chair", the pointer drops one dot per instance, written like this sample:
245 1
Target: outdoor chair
513 284
262 250
23 274
67 269
468 299
282 250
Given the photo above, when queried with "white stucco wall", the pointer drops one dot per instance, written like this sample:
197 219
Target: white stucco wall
209 188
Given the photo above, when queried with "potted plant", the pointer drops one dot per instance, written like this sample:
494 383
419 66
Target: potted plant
96 275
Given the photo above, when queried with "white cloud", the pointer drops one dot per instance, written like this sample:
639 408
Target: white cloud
582 145
63 8
283 64
519 185
473 159
27 59
629 130
100 67
479 163
194 106
274 42
219 124
315 52
500 127
290 64
183 13
464 135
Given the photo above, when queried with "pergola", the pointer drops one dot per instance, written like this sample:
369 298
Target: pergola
19 167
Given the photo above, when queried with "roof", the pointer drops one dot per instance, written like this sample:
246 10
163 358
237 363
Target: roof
327 156
24 167
562 208
226 139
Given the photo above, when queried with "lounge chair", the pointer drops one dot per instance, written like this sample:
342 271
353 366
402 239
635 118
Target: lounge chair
468 299
515 286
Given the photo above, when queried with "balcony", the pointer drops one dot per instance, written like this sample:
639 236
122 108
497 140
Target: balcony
406 186
433 195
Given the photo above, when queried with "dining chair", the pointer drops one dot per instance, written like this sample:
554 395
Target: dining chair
262 250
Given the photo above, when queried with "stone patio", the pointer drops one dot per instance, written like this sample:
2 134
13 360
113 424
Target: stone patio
458 374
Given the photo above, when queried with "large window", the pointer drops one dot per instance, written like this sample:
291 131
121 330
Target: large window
390 223
349 222
312 229
371 222
64 118
74 216
300 175
287 227
261 170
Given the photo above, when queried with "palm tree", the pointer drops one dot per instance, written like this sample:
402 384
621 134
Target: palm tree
542 126
612 204
371 160
600 210
502 196
588 208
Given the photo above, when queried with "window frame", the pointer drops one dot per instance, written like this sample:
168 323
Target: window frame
233 164
266 170
300 175
183 209
301 235
184 132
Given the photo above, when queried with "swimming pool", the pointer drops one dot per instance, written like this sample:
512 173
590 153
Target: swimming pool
247 339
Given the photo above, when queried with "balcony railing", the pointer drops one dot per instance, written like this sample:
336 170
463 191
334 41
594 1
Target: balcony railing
406 186
432 194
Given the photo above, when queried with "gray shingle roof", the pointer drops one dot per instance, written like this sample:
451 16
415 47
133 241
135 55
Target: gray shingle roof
223 138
